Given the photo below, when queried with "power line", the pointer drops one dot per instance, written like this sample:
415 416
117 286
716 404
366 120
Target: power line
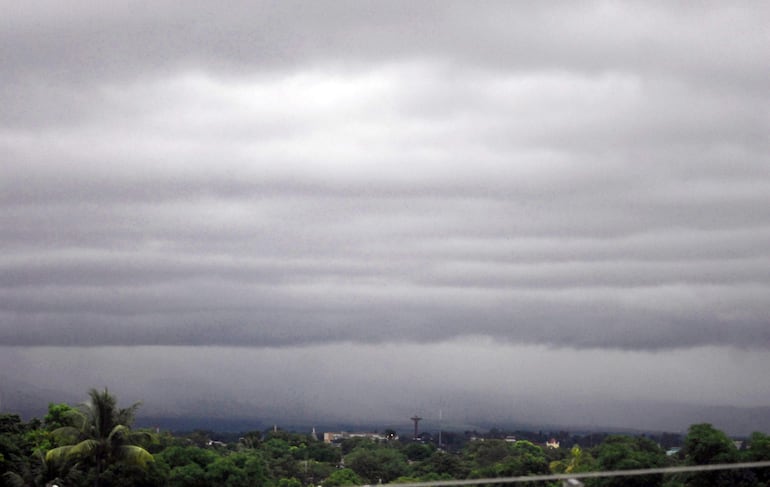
588 475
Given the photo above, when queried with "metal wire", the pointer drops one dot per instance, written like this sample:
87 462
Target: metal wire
587 475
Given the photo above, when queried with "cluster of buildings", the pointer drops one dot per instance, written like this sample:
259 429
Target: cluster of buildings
336 437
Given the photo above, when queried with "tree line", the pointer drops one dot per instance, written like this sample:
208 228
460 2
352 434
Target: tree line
94 445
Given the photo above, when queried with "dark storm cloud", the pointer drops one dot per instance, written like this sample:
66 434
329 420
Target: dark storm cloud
286 174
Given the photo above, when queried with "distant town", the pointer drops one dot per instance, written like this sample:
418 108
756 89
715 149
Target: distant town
95 444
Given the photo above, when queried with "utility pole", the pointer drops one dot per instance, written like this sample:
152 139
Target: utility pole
439 429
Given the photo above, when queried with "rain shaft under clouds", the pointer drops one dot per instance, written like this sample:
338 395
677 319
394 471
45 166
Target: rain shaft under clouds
282 175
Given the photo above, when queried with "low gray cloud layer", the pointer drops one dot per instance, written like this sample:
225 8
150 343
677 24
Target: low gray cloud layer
298 174
471 381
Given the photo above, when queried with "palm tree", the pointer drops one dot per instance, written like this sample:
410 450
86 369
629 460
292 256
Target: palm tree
578 461
39 473
100 433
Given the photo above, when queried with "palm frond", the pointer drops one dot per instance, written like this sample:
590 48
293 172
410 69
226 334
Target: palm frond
134 455
119 432
58 455
104 437
84 449
66 434
12 479
142 438
101 411
76 418
71 452
126 415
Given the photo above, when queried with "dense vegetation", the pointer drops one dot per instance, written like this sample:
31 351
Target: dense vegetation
94 445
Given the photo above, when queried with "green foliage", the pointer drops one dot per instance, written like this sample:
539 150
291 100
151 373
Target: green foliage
435 477
292 482
627 453
377 465
442 464
343 476
527 459
189 475
177 456
406 479
759 447
322 452
705 445
11 431
280 457
237 469
759 450
126 475
35 471
59 416
314 472
11 424
498 458
578 460
350 444
487 453
94 445
99 437
21 458
252 440
418 451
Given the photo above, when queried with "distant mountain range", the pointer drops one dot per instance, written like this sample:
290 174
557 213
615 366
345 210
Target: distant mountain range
29 401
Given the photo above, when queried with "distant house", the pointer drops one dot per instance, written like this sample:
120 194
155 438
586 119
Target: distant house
552 443
673 451
330 437
510 439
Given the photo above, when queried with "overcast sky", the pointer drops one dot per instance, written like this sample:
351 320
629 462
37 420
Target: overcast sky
365 200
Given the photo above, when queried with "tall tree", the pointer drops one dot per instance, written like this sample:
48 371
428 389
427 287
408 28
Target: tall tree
578 461
100 434
378 465
628 453
705 445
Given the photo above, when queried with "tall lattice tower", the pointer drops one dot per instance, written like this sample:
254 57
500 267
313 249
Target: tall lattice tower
416 420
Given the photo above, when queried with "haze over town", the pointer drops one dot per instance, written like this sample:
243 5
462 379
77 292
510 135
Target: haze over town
547 212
